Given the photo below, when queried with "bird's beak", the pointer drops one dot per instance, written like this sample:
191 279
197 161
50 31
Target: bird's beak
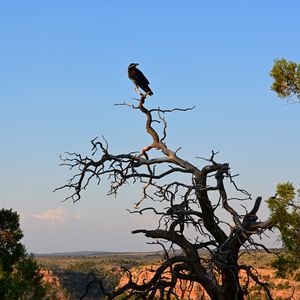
136 64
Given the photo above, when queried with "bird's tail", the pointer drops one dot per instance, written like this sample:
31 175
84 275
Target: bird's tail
150 93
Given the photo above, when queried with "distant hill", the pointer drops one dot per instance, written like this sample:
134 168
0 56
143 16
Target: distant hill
130 254
74 253
97 253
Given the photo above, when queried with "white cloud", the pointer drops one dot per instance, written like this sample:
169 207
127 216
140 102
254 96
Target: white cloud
53 216
77 216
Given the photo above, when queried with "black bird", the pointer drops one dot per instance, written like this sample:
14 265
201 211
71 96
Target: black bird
139 78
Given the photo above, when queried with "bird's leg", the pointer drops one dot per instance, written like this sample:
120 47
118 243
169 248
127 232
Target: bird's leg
138 91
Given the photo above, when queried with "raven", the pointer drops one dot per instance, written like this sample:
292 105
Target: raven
139 78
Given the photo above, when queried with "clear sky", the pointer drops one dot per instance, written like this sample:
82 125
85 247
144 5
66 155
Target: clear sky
63 64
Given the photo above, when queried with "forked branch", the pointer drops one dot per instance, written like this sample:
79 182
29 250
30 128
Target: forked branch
209 256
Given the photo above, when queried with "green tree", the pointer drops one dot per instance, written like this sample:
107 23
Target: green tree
285 215
286 75
19 273
10 235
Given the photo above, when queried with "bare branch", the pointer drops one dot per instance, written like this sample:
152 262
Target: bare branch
185 191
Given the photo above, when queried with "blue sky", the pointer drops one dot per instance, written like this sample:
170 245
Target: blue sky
63 64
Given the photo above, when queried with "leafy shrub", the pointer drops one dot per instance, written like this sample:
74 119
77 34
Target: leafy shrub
297 276
19 273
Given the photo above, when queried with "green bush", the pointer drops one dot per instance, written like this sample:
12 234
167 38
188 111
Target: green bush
297 276
19 273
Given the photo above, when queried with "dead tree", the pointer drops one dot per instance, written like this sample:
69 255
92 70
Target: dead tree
210 255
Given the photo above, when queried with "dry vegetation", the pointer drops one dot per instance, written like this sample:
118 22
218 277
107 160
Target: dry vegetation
71 275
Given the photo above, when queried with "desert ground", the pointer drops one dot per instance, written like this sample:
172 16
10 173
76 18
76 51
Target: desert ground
70 274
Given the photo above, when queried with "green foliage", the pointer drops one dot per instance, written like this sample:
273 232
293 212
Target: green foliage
10 235
283 265
283 285
19 273
297 276
285 215
286 75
